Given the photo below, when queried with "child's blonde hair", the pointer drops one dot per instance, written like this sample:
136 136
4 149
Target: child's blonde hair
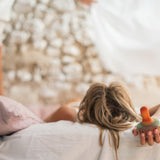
108 107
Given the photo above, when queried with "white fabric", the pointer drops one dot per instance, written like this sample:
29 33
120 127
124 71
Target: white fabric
127 35
71 141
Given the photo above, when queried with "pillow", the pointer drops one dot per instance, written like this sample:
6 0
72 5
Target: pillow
14 116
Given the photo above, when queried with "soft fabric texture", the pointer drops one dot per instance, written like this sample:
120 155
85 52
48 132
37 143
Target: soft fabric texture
65 140
14 116
127 35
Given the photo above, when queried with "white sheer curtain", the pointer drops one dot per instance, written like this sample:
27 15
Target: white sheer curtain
127 35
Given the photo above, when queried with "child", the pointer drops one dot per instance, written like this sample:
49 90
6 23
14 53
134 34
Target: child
124 38
108 107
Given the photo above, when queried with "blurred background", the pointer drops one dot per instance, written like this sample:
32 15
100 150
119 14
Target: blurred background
49 56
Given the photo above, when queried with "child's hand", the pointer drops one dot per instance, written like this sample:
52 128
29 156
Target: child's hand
87 2
149 137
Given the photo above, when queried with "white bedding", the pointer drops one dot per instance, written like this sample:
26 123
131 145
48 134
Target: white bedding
65 140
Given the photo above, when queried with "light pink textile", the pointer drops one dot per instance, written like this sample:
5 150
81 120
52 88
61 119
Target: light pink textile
14 116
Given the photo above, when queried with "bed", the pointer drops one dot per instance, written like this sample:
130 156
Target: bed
65 140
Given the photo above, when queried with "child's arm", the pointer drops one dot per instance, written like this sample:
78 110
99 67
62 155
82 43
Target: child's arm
67 111
63 113
87 2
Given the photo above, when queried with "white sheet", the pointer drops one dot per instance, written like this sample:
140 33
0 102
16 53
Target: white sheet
70 141
127 35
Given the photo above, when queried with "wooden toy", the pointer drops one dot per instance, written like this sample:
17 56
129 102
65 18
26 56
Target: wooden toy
147 123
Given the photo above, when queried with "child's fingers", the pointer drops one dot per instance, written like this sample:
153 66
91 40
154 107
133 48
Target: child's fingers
156 135
142 138
150 138
135 132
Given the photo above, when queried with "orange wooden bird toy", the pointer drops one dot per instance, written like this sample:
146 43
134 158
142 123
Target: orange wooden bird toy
147 123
